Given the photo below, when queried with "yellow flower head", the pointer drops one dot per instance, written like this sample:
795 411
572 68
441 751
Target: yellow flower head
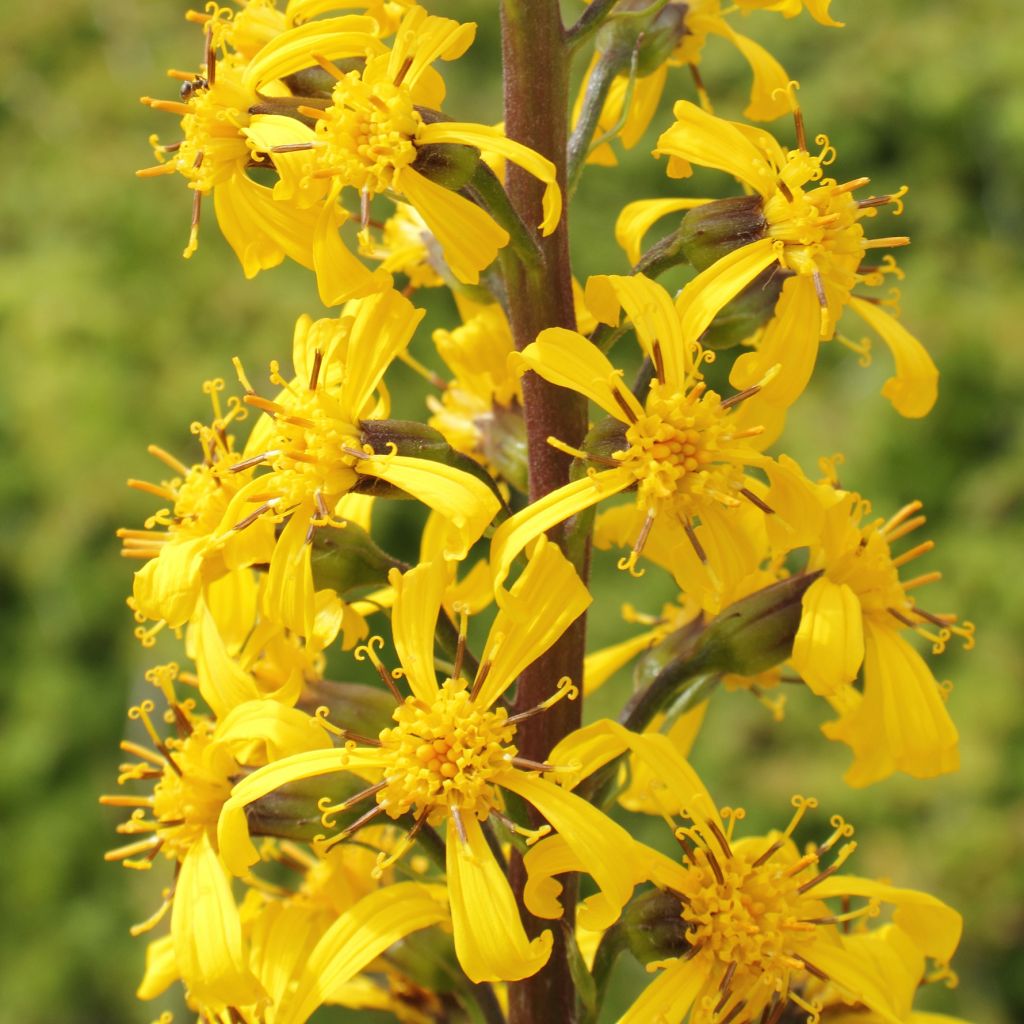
178 542
684 450
854 615
812 229
450 755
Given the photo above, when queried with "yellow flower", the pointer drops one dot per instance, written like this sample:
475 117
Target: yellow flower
758 927
192 774
178 543
694 21
811 227
312 447
685 451
854 615
451 753
371 136
407 247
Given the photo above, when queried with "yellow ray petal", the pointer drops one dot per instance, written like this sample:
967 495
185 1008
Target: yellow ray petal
167 587
383 327
262 731
770 95
599 666
606 850
207 932
493 140
829 645
490 941
901 724
468 235
515 533
671 994
161 968
339 274
853 977
915 386
639 217
360 935
418 595
934 927
289 597
568 359
701 138
466 502
540 606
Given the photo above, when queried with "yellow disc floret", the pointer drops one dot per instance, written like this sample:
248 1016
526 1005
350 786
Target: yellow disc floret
680 448
368 132
445 756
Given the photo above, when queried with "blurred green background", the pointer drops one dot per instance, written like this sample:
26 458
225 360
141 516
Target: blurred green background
108 334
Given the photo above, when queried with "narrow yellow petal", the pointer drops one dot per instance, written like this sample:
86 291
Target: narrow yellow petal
853 977
901 724
915 386
340 276
829 645
770 95
653 315
789 341
539 607
493 140
468 235
222 681
607 852
161 968
289 597
709 292
639 217
207 932
599 666
418 595
465 501
515 533
356 938
490 940
382 327
568 359
263 731
167 587
699 137
934 927
671 994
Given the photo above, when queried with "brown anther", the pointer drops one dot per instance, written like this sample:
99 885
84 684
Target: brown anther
784 189
801 133
360 822
720 836
291 147
363 794
755 500
403 70
692 536
767 855
620 400
734 1012
659 361
740 396
314 374
481 675
715 866
818 879
816 971
532 766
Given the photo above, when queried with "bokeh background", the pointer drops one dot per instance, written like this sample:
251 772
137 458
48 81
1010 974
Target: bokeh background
107 335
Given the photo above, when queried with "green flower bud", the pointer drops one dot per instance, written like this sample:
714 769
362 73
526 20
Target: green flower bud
654 38
750 310
605 437
757 632
654 926
292 811
345 560
287 106
715 229
316 83
445 163
360 709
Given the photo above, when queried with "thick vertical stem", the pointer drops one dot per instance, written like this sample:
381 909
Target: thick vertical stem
536 114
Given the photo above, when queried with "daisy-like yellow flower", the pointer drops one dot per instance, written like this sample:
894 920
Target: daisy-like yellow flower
811 228
182 556
758 911
692 23
375 138
191 774
685 450
215 156
855 615
450 755
310 449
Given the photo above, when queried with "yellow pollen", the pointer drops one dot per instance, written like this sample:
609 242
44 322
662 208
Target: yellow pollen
368 133
445 756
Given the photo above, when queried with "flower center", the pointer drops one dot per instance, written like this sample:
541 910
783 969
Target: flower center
188 801
368 132
445 756
676 449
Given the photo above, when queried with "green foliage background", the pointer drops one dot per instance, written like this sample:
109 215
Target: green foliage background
108 334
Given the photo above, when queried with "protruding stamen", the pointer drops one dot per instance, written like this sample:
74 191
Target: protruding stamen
756 501
692 537
403 70
155 489
740 396
659 361
369 650
892 242
915 552
801 132
850 186
238 467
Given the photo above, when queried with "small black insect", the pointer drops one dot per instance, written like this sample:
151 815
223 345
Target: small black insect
189 89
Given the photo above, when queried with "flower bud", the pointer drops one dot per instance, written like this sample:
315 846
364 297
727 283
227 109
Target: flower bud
344 560
677 646
292 811
316 82
654 38
654 926
715 229
362 710
503 444
756 633
445 163
749 311
605 437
